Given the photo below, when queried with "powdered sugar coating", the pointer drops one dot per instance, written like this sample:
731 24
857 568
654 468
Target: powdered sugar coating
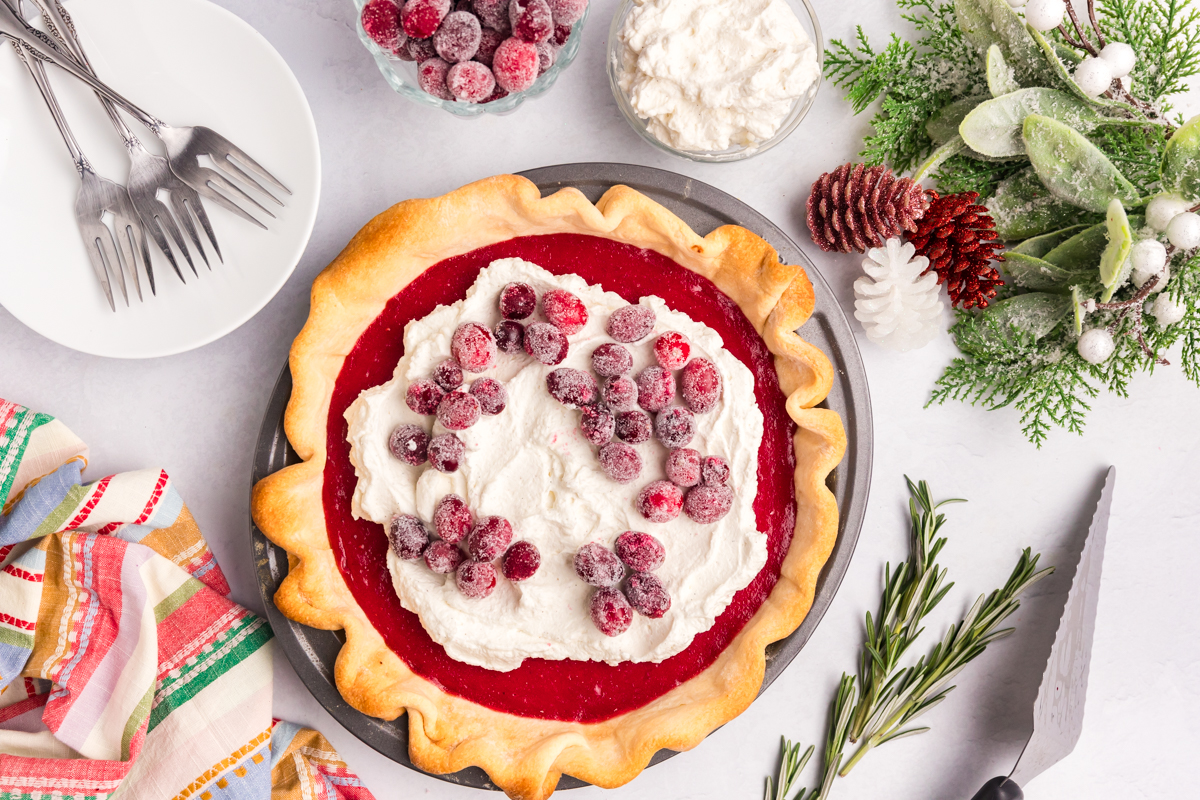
683 467
448 374
475 579
420 51
510 336
531 20
457 39
546 343
443 557
598 566
714 471
647 595
656 388
410 444
564 310
473 347
515 65
641 552
674 426
489 538
547 55
660 501
567 12
446 452
620 462
431 77
452 519
610 611
521 562
491 394
421 18
407 537
701 385
381 21
470 82
597 425
573 388
634 426
707 504
423 396
631 323
458 411
517 300
672 349
610 360
489 40
620 393
493 14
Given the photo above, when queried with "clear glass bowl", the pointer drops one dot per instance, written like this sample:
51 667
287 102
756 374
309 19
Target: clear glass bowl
808 20
402 75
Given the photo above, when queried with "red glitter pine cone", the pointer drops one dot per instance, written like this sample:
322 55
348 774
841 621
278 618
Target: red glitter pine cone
956 235
856 207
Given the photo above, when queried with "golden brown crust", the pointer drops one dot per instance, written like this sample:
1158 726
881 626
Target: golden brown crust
526 756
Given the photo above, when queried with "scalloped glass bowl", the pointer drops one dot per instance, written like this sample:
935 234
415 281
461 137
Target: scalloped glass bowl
808 20
402 75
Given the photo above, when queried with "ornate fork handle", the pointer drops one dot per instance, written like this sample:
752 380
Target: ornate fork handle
38 43
33 61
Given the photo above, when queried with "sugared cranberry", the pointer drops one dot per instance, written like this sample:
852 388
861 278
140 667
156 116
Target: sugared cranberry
660 501
431 76
531 20
674 426
564 310
610 360
410 444
620 462
510 336
562 33
473 347
381 21
620 393
568 12
598 425
641 552
706 504
611 612
470 82
683 467
408 537
475 579
491 394
630 323
489 40
701 385
547 53
423 396
515 65
672 350
714 471
521 561
647 595
420 51
402 52
598 566
458 411
656 388
574 388
446 452
546 343
458 37
497 94
517 300
489 538
452 519
448 375
421 18
493 14
634 427
443 557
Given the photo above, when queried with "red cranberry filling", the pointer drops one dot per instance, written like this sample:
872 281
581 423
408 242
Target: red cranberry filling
630 323
610 360
443 557
598 566
647 595
410 444
656 388
473 347
408 537
452 519
546 343
683 467
521 561
620 462
491 394
611 612
446 451
674 426
706 504
660 501
634 427
641 552
572 387
423 396
564 310
701 385
672 350
489 538
475 579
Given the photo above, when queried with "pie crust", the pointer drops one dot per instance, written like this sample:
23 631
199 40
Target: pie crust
525 756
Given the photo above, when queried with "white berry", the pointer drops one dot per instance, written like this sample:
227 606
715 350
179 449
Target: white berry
1120 57
1184 230
1044 15
1148 257
1166 311
1162 209
1162 276
1096 345
1093 76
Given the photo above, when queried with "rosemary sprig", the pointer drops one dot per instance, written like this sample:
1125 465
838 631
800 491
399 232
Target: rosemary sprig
791 764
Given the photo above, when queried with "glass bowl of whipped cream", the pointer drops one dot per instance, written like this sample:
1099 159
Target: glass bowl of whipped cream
714 80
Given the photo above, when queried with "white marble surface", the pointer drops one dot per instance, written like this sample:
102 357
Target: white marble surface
197 415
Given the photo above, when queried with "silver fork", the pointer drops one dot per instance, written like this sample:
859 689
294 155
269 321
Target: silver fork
184 144
149 174
97 196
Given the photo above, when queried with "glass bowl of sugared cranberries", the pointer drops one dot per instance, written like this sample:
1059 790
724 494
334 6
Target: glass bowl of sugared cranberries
471 57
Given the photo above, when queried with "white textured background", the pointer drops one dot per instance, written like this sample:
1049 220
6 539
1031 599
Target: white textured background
197 415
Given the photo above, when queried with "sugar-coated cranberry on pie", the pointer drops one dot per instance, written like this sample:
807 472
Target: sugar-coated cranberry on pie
562 477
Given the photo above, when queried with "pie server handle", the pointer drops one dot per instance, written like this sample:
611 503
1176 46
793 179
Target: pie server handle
1000 788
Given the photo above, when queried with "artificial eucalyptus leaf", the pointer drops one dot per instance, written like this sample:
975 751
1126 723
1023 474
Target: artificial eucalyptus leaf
1082 251
988 22
1072 168
995 126
943 126
1000 79
1038 275
1114 261
1023 207
938 157
1181 161
1039 246
1036 313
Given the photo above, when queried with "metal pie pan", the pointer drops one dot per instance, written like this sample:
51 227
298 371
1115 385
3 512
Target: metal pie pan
312 652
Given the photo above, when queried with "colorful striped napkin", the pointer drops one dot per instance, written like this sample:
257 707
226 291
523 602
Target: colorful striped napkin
125 671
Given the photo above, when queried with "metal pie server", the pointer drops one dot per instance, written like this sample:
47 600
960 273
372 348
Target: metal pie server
1058 711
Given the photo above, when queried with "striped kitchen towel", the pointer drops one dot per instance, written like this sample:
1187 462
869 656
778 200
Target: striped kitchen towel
125 671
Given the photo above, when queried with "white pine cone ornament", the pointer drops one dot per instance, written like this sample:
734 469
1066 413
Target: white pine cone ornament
898 302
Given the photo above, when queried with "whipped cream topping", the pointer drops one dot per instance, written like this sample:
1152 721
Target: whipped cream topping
531 465
708 75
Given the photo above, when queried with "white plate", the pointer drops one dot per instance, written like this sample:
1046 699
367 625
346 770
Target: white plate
188 62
